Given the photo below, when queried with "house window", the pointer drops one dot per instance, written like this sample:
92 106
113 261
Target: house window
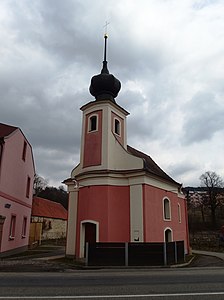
24 227
179 212
24 150
166 209
117 126
28 187
92 123
12 227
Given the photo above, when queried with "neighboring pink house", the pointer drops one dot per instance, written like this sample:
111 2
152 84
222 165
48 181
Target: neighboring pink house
117 193
16 189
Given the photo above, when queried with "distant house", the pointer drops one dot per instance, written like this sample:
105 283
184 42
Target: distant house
52 216
16 183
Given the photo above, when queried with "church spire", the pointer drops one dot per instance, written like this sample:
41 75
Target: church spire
104 69
105 86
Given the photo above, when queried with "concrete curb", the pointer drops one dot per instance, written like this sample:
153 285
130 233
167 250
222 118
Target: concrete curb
184 264
219 255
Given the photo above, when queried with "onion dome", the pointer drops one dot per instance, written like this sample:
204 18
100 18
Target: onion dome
105 86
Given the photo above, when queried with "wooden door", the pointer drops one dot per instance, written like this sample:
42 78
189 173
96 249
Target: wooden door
90 234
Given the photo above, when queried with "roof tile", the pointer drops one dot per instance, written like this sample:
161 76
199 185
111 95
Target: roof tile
150 166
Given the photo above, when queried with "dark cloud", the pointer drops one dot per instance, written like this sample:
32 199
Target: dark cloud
204 117
181 168
162 56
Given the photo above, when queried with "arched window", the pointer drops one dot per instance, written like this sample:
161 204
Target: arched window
93 123
168 235
117 126
166 209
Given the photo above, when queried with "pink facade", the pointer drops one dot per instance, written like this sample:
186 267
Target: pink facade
155 222
16 187
109 206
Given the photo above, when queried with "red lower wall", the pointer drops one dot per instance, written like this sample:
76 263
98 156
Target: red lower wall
154 223
109 206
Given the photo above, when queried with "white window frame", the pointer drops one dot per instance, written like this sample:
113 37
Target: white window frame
12 228
89 123
164 209
119 122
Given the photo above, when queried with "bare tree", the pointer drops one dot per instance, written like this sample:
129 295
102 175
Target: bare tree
213 184
196 200
39 184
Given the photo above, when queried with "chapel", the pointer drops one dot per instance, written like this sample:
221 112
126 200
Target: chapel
117 193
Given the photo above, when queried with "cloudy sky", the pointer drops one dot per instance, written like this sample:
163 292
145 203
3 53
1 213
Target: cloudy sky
168 55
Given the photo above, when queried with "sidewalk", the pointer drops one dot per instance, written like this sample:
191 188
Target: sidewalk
209 253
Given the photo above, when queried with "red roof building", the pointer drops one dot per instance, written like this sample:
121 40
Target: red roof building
51 216
48 209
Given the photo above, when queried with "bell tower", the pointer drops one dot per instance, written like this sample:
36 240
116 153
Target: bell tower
104 121
100 195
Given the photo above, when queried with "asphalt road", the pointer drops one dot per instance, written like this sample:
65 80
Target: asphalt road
187 283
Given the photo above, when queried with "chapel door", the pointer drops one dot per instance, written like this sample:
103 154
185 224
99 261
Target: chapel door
90 234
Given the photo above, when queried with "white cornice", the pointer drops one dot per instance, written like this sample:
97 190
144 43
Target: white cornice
102 103
125 179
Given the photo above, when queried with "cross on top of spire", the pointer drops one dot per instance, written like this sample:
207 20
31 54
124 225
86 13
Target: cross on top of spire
105 26
104 69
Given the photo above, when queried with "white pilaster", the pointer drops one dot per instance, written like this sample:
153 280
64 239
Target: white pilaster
72 221
136 213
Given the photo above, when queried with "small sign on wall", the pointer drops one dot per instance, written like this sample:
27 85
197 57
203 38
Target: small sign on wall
136 235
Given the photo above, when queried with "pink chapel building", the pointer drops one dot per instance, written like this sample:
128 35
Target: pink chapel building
117 193
16 189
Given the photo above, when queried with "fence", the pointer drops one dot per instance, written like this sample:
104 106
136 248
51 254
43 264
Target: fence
35 234
134 254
